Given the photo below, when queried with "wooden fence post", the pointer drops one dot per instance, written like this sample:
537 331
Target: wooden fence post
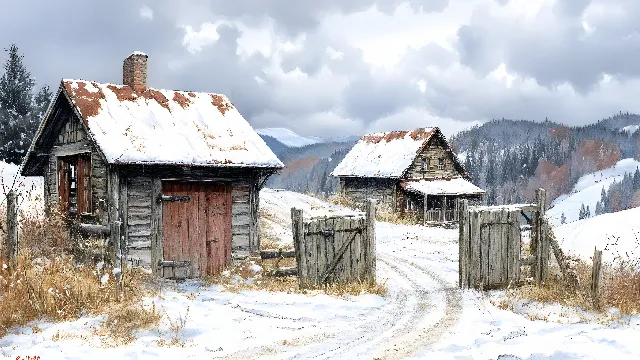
463 243
540 240
297 229
596 277
370 264
12 228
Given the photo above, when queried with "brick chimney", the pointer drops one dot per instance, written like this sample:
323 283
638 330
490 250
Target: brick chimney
134 71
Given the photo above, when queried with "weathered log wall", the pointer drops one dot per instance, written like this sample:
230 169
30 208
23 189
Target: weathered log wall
434 150
70 138
361 189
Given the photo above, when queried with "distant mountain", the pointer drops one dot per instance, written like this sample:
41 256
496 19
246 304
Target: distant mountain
291 139
276 146
621 121
511 158
288 137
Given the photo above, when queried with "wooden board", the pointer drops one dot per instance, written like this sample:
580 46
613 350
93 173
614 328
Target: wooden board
197 230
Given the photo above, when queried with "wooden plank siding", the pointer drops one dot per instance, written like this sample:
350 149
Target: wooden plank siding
142 237
435 149
361 189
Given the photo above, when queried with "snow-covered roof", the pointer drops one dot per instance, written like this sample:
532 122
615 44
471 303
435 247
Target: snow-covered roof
167 127
454 186
386 154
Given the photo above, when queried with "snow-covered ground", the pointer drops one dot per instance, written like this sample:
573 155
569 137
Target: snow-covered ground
423 316
587 191
29 189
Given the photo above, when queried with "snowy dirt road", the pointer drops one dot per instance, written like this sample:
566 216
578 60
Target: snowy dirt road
422 307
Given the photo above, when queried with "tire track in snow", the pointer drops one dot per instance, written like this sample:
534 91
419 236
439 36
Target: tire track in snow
322 343
429 332
413 323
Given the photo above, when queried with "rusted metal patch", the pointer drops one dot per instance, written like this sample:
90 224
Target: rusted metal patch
219 102
156 95
87 102
181 100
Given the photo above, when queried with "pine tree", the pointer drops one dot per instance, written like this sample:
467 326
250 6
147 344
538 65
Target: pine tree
17 125
563 219
587 213
598 208
581 213
41 102
604 200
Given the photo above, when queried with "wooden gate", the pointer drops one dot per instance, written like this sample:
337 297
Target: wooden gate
196 228
337 249
490 248
490 244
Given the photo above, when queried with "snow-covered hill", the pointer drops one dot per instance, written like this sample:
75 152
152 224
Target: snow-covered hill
587 191
289 137
615 233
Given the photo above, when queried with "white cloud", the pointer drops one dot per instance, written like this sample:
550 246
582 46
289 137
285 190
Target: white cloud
195 40
146 13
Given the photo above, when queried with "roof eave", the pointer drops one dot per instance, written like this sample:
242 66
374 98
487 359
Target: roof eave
38 133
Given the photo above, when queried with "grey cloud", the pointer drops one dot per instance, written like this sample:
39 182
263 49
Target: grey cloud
294 16
555 51
571 7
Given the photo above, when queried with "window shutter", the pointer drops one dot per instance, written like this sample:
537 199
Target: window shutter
63 184
84 184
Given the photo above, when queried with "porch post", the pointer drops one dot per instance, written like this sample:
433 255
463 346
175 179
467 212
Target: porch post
424 210
455 213
444 208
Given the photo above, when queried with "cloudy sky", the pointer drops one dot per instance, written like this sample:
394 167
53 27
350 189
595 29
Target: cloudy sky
344 67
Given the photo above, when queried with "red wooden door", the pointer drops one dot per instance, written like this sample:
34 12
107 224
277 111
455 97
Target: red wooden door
197 230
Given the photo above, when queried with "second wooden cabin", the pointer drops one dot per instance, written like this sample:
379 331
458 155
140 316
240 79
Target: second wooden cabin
409 172
175 176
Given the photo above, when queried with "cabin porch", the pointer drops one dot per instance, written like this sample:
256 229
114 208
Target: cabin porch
437 200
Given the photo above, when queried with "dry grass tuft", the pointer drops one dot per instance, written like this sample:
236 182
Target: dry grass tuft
244 276
123 320
59 289
386 214
620 289
341 199
53 281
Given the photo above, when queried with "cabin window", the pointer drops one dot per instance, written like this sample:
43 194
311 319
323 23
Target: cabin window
425 164
74 184
441 164
408 204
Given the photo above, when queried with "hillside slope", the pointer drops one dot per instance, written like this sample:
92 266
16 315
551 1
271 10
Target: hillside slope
587 191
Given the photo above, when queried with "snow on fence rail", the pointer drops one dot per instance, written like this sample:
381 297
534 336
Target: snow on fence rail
335 249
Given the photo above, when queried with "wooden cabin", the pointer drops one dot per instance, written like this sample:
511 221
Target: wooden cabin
172 177
410 172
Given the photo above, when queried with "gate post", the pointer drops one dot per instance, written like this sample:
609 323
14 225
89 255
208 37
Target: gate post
464 244
370 264
541 243
12 229
297 227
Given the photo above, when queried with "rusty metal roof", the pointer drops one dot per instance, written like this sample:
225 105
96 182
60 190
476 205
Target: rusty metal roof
158 126
385 155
